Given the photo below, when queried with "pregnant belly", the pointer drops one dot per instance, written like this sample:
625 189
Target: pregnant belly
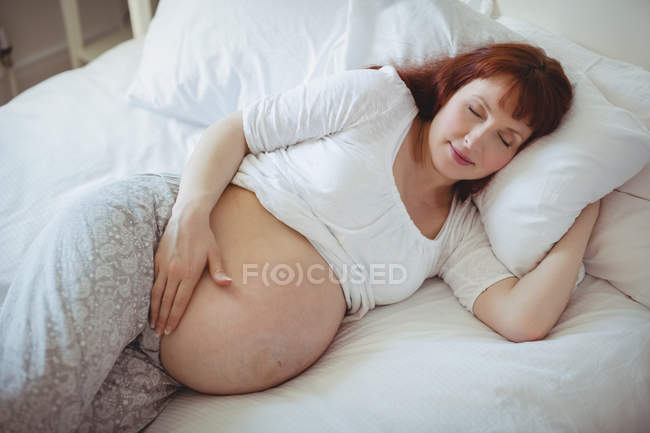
269 324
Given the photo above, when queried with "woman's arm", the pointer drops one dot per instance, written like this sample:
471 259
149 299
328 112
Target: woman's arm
527 309
188 243
213 165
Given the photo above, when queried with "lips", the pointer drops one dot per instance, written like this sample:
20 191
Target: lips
459 157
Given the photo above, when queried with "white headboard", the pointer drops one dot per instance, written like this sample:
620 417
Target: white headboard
619 29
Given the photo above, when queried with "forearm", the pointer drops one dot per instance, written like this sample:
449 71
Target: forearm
540 297
212 165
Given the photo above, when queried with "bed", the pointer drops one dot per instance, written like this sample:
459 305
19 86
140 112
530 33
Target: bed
421 365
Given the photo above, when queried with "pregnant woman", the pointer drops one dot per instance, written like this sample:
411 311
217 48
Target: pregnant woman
306 209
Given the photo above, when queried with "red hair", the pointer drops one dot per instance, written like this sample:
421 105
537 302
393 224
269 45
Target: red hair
542 91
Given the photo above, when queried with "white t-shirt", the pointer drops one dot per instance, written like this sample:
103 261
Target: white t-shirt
321 162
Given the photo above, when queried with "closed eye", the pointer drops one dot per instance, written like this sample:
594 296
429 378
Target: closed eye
469 107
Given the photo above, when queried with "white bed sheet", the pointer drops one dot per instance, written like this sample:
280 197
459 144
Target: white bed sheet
422 365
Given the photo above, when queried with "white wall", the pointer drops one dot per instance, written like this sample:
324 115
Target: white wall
35 30
619 29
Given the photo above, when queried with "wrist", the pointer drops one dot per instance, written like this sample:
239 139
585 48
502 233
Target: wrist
195 206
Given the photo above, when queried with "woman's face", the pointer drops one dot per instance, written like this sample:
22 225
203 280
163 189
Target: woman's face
471 136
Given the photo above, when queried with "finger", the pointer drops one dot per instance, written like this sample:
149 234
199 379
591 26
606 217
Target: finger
217 271
181 301
166 304
156 297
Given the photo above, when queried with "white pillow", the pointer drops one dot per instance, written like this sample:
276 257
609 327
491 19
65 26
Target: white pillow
534 200
623 84
382 32
204 59
619 248
482 6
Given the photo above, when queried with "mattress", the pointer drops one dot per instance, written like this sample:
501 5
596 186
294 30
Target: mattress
422 365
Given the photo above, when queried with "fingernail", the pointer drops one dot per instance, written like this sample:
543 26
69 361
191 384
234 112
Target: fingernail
223 277
167 331
151 325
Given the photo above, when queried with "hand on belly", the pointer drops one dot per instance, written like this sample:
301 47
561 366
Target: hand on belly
257 332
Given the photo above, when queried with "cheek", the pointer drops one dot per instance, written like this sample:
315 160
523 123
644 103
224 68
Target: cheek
455 121
495 161
451 123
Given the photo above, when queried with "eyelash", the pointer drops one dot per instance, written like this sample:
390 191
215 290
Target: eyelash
476 114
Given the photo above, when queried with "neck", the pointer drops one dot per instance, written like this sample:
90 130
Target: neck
424 184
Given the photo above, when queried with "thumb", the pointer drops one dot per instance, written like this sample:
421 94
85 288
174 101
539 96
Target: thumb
217 271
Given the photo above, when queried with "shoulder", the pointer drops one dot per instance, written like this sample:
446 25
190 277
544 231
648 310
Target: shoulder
374 94
382 81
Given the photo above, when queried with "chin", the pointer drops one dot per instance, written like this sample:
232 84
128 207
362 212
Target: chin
447 170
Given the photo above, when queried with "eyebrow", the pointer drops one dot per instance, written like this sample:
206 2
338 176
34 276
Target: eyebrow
487 106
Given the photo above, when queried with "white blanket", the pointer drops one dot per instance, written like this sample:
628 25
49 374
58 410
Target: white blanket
70 133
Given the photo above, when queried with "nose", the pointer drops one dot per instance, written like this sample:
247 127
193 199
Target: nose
474 137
